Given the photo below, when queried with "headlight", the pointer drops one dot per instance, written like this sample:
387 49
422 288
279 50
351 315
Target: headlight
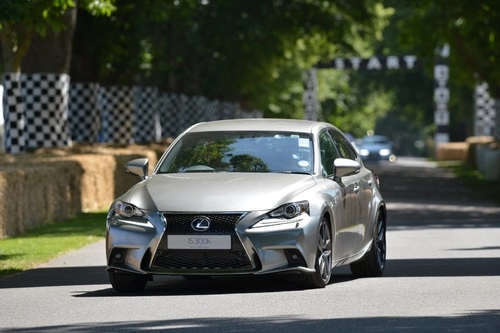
125 209
290 210
364 152
384 152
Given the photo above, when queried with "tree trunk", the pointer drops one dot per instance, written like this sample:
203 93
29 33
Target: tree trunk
15 40
51 53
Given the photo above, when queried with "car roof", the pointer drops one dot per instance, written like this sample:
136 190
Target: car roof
260 124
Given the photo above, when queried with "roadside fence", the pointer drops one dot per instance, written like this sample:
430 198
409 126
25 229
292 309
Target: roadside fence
46 111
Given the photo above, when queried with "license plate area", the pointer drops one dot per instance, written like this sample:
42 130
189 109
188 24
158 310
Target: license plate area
199 242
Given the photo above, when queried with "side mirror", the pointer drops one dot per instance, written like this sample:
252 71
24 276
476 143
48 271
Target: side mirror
345 167
139 167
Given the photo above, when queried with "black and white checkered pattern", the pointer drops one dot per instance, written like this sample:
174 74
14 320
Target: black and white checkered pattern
147 121
46 102
14 118
36 111
310 97
44 111
84 114
485 119
118 114
169 115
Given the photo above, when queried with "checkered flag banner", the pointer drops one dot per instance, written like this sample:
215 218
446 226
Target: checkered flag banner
84 115
36 111
485 122
46 110
14 118
178 112
310 97
118 114
147 119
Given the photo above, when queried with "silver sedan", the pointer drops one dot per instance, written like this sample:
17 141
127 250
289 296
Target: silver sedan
249 197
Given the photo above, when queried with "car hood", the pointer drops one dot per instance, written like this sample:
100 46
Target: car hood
201 192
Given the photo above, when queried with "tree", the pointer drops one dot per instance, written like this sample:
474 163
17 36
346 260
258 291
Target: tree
48 25
252 52
470 28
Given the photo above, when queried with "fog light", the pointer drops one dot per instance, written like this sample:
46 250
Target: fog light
294 258
117 256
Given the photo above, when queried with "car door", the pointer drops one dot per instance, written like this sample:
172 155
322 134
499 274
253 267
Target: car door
343 193
358 184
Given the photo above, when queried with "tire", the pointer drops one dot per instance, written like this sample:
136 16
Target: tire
323 261
128 282
373 263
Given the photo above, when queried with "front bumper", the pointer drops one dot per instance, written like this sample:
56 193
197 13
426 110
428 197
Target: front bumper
142 246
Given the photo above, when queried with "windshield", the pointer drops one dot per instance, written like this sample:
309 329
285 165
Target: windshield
375 140
240 152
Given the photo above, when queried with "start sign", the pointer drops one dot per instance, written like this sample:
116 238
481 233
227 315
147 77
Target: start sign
373 63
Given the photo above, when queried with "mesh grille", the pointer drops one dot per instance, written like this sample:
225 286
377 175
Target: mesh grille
221 224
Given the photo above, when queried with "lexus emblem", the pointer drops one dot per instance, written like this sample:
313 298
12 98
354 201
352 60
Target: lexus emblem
200 223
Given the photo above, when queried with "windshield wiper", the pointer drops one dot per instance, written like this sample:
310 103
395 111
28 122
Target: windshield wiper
293 172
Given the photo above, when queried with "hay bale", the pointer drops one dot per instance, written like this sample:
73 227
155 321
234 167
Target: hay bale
452 151
97 183
33 195
475 142
57 184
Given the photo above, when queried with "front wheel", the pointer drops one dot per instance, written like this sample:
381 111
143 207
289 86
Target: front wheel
323 264
127 282
373 263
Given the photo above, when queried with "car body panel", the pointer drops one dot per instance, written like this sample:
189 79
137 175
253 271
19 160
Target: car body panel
218 191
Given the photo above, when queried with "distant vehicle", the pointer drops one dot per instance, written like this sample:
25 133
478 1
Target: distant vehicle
376 148
249 197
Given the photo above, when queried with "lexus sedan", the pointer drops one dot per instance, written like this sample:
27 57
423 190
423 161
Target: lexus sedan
249 197
376 148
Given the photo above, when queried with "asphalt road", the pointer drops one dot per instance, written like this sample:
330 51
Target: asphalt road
442 275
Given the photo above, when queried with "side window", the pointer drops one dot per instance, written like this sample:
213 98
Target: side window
328 153
345 149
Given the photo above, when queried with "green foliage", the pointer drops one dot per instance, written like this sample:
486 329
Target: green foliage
470 28
486 188
253 52
21 19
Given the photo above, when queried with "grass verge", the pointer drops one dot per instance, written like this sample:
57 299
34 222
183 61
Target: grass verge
41 244
475 180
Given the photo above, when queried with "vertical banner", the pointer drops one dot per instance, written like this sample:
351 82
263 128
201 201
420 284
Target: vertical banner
14 117
84 116
441 96
2 144
117 114
310 95
484 121
46 98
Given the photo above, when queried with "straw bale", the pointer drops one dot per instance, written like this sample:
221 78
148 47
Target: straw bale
97 182
474 142
480 139
452 151
54 185
33 195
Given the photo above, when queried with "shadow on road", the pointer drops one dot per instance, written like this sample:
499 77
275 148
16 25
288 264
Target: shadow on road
170 285
480 321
